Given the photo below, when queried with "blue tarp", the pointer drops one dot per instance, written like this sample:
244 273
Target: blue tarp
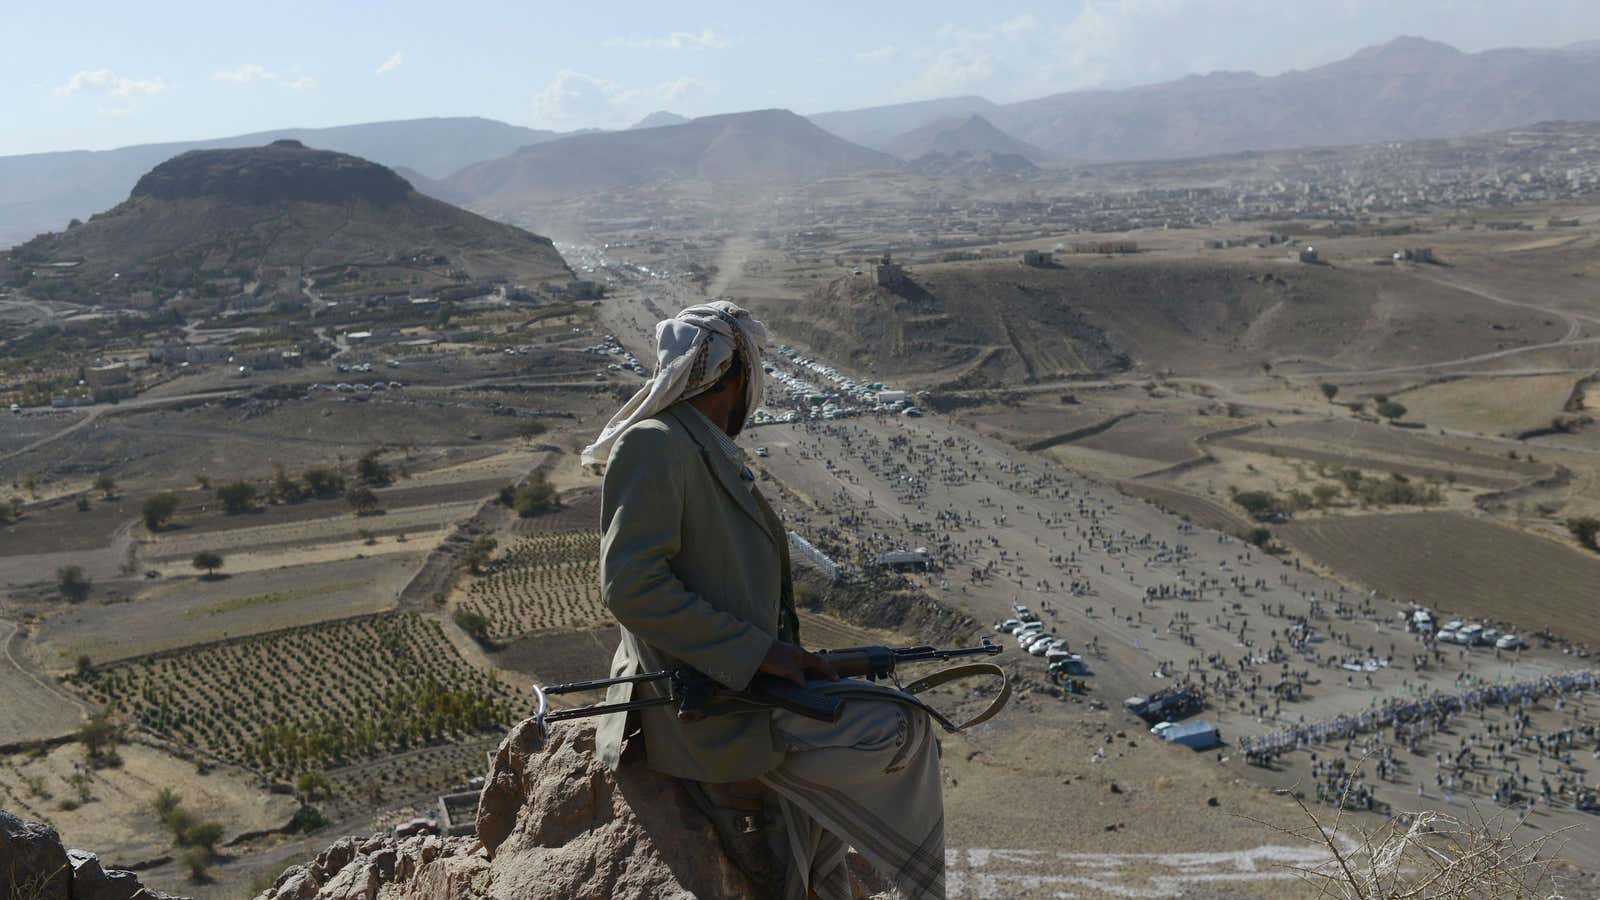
1197 735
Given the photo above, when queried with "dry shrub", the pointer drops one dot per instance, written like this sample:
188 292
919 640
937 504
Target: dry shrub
1427 854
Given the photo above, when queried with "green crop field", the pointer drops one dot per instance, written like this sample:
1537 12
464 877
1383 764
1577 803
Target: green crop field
549 580
313 697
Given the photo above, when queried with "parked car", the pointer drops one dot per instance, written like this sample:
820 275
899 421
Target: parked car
1468 634
1453 625
1027 640
1445 636
1008 626
1488 636
419 825
1071 665
1509 642
1040 648
1168 703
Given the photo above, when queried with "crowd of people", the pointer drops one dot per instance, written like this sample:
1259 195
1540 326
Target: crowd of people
1252 636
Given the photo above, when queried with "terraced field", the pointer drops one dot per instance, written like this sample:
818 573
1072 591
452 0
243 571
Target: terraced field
309 698
548 580
1460 566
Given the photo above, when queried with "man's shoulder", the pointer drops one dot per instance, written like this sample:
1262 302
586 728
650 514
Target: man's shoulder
660 437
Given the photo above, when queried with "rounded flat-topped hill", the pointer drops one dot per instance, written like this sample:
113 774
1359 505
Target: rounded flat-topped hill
283 170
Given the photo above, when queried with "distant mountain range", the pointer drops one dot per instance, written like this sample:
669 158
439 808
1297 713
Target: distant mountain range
659 118
43 191
771 145
878 126
971 135
1406 89
210 222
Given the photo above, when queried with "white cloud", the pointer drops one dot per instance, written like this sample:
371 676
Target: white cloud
303 83
392 63
884 54
245 74
105 81
706 39
573 99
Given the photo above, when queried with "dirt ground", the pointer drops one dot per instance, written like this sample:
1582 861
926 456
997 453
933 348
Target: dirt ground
1502 406
1461 566
119 821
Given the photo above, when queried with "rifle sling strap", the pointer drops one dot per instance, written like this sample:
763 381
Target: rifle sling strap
961 673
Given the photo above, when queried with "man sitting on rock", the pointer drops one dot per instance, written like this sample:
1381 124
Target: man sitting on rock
695 566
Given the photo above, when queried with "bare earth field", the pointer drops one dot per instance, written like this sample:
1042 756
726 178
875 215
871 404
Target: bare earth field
246 603
1505 406
119 821
1464 566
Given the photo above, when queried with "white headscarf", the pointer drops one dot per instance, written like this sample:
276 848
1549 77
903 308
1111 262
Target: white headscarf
693 350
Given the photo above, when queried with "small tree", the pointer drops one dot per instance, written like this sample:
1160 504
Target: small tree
237 497
284 488
479 554
1329 390
473 623
1587 530
99 737
1391 409
85 665
197 860
371 471
323 481
362 500
1258 503
534 497
204 835
210 560
1259 536
1324 494
158 510
73 584
313 786
165 802
106 485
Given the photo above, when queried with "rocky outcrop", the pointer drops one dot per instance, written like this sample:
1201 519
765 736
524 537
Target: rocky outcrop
35 866
552 823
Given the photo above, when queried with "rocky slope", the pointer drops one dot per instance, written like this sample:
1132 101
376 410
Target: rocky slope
268 215
35 866
42 191
552 823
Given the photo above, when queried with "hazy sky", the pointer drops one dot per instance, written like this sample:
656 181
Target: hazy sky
96 74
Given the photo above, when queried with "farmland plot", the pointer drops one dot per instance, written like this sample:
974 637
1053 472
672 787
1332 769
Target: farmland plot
550 580
1461 567
312 697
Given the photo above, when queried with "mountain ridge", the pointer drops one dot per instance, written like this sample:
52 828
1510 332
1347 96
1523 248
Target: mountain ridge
41 191
271 216
769 145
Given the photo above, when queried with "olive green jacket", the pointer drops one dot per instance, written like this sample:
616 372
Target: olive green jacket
695 567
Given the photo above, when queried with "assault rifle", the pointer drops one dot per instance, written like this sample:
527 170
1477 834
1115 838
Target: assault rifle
696 695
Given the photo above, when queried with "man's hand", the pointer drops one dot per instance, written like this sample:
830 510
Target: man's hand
789 661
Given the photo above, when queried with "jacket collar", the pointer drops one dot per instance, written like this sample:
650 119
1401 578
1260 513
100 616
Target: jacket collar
722 467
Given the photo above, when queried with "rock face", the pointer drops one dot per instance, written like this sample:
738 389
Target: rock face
552 823
35 866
